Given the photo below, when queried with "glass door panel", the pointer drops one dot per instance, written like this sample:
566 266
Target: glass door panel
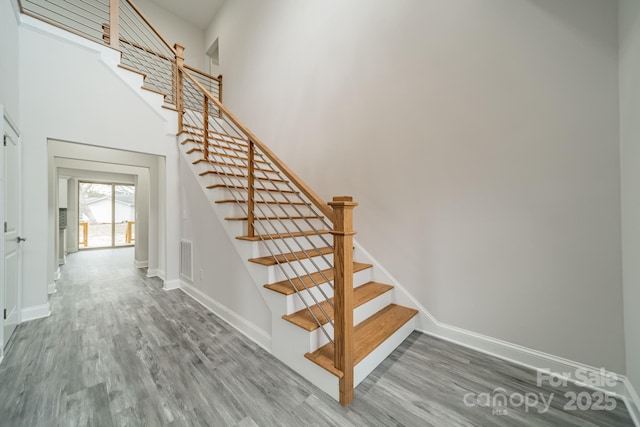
95 215
125 215
106 215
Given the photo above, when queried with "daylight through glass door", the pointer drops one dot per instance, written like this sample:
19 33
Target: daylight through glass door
106 215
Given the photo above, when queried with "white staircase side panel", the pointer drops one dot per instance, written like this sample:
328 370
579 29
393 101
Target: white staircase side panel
111 58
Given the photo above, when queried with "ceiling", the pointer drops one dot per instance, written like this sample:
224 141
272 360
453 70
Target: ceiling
196 12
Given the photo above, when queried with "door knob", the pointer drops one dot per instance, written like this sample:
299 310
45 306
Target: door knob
21 239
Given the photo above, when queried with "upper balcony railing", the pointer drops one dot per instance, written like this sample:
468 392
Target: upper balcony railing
121 25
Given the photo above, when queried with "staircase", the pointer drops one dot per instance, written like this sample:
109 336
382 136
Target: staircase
333 317
290 255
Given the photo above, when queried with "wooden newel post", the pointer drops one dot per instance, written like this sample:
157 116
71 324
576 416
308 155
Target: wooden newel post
343 292
251 232
114 24
220 88
178 84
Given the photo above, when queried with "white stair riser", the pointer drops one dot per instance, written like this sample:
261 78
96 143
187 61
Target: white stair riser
212 179
228 174
262 209
300 268
296 304
360 314
262 196
224 193
276 246
316 263
284 226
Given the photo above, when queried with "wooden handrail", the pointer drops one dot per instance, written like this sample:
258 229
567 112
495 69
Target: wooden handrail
202 73
135 8
315 199
343 294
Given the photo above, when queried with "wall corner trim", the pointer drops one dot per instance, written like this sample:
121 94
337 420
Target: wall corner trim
234 320
35 312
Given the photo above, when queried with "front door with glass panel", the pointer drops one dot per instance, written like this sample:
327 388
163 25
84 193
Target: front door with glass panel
106 215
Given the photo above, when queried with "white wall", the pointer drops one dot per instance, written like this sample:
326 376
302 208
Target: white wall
629 27
79 99
176 30
218 271
9 64
480 138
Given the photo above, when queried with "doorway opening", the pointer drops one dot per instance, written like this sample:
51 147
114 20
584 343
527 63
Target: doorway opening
106 215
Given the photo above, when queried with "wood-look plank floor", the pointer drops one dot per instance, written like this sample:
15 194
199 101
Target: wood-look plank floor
119 351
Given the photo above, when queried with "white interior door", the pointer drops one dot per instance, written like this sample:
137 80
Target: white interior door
12 239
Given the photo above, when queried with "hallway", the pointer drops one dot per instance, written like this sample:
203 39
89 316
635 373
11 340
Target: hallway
118 350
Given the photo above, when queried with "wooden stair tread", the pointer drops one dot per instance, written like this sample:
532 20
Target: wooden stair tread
272 218
240 175
285 286
265 202
230 165
154 91
240 149
282 258
284 235
361 295
213 132
239 187
367 336
169 107
215 153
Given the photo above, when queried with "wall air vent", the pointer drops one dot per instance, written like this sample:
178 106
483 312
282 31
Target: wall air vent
186 259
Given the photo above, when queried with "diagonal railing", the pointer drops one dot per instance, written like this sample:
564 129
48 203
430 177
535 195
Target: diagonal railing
281 211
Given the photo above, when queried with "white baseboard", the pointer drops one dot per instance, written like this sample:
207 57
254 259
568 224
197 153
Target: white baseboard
141 264
520 355
35 312
52 289
243 326
170 285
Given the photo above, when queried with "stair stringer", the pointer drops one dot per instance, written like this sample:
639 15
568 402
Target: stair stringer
289 342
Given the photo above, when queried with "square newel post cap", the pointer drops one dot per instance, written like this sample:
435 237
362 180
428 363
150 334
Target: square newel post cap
343 202
179 50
